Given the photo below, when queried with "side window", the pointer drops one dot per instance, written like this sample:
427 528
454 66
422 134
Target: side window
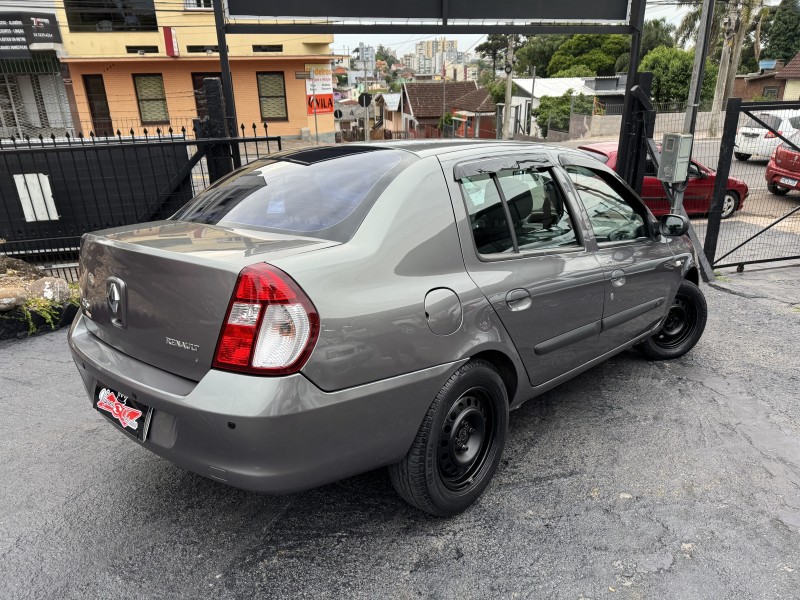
795 122
487 217
538 211
613 218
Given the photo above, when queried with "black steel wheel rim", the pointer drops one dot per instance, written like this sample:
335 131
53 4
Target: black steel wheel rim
679 324
465 438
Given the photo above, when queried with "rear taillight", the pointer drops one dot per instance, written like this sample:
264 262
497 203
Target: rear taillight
771 134
271 325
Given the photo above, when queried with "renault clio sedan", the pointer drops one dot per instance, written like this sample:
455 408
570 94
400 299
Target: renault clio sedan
325 312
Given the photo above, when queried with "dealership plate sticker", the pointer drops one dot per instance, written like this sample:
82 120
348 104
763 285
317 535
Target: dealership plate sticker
788 181
133 417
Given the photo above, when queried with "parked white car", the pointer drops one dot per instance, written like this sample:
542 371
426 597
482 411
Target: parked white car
753 140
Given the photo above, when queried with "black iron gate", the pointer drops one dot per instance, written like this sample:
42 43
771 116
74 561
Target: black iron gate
52 190
764 226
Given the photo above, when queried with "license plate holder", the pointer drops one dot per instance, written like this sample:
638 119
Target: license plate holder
788 181
126 413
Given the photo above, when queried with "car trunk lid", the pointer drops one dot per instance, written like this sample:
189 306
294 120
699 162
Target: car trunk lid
159 292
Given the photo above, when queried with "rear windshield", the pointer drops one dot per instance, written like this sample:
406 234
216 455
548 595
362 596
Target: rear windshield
326 199
603 158
774 121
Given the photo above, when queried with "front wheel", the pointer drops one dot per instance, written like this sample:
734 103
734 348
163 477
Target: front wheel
742 156
459 444
778 191
682 328
729 204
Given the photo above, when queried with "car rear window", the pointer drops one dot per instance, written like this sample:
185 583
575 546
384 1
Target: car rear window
774 121
326 199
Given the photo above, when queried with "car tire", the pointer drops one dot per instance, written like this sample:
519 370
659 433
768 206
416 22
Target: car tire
729 204
742 156
438 475
778 191
682 328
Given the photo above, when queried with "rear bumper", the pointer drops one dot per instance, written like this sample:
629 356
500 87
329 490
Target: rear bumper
756 147
287 434
774 173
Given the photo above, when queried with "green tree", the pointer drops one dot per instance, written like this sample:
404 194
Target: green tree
784 35
656 33
576 71
537 52
497 89
595 51
495 48
672 73
555 111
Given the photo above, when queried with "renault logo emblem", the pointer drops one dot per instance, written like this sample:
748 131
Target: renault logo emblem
116 296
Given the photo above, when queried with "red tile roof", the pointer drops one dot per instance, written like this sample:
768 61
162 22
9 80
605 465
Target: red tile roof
425 98
477 101
792 70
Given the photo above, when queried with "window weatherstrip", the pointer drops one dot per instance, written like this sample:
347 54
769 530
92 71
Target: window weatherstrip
507 211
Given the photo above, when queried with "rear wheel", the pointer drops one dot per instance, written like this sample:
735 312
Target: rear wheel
742 156
778 191
682 328
729 203
458 446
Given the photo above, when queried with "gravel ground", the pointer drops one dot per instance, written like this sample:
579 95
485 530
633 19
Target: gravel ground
635 480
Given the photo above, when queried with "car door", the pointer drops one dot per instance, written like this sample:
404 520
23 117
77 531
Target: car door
523 249
699 188
653 193
639 269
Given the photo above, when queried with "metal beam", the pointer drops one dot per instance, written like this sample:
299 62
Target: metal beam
388 28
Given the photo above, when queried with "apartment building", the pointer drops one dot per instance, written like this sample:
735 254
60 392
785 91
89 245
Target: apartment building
141 64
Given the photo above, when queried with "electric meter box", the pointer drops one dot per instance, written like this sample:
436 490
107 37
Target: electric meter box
676 153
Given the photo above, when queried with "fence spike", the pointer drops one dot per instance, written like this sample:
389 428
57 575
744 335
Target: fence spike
144 131
183 130
158 132
119 134
28 139
53 137
41 139
170 131
91 135
69 139
265 128
242 128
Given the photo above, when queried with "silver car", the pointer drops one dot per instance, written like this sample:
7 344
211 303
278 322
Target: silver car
328 311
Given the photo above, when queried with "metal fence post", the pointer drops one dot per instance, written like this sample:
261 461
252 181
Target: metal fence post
219 159
723 171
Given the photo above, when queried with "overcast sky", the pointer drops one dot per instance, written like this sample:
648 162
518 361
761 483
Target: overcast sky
405 43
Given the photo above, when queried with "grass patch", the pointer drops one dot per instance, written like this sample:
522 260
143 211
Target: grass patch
721 278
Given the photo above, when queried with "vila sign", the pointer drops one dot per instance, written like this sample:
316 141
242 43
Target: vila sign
319 86
21 30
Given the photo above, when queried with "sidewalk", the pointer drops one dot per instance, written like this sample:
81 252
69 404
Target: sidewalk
770 281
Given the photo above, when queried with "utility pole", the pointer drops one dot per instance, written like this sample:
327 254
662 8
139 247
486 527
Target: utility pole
695 93
729 31
509 86
314 100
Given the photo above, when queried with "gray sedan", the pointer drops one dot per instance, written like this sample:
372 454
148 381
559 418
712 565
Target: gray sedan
328 311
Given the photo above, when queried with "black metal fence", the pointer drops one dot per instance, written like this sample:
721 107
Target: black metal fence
762 225
52 190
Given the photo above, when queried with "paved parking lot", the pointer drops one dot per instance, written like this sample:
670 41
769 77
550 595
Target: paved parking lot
635 480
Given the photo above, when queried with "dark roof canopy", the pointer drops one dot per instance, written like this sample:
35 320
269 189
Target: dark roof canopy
439 16
425 98
791 70
477 101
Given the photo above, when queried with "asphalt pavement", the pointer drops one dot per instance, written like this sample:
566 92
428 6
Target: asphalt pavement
635 480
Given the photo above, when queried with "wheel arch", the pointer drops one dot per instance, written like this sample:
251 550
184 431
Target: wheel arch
505 367
693 275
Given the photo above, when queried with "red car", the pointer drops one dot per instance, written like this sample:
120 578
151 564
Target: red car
783 170
699 192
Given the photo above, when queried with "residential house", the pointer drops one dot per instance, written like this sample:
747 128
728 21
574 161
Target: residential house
474 115
791 75
763 84
423 103
142 65
389 114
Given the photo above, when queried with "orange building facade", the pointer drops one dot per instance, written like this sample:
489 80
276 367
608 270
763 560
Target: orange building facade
144 69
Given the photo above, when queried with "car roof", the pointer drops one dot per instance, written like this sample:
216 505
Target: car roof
452 148
607 148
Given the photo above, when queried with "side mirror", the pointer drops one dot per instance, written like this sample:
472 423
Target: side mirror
673 225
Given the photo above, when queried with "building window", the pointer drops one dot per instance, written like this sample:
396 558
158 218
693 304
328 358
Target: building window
151 98
198 4
91 15
141 49
770 91
202 49
272 96
267 47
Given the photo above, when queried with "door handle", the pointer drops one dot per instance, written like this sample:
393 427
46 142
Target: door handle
618 278
519 299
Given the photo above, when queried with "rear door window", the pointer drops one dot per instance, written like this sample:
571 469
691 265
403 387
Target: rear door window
326 199
773 121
